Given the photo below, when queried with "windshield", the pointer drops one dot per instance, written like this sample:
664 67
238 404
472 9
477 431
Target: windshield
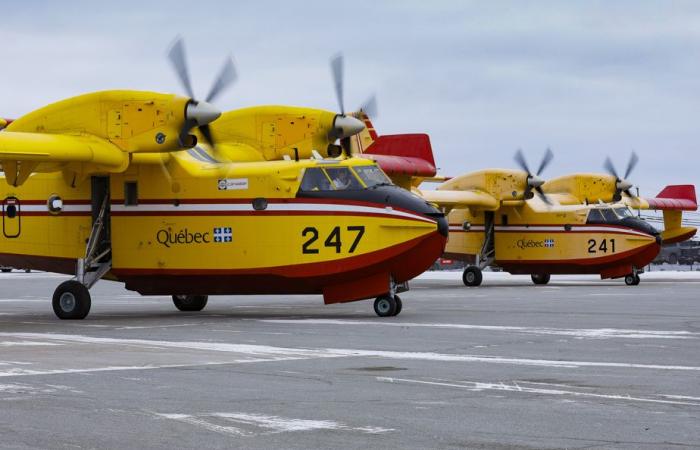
329 179
623 212
315 180
343 179
372 175
603 215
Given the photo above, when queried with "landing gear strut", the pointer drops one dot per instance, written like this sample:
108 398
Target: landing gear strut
71 299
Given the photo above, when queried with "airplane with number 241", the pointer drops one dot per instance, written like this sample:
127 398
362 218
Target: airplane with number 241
575 224
115 185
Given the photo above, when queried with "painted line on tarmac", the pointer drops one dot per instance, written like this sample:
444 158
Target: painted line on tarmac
266 352
523 387
591 333
248 424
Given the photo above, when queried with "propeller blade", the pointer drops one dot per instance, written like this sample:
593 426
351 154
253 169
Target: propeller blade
369 107
608 165
629 193
226 77
337 70
631 164
543 196
520 159
206 133
546 159
176 55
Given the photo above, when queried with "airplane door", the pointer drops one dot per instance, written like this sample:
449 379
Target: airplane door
11 220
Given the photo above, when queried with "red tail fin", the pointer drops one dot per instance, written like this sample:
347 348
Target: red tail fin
679 197
403 154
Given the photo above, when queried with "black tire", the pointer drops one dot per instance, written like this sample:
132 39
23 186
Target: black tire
632 280
71 301
540 278
472 276
399 305
385 306
6 270
27 270
190 302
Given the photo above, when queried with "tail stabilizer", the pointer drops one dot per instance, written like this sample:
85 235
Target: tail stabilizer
673 200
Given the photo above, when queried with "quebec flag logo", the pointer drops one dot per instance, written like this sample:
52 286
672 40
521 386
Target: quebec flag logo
223 234
549 243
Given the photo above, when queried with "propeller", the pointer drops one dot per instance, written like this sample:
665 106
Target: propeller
199 113
534 182
344 125
621 183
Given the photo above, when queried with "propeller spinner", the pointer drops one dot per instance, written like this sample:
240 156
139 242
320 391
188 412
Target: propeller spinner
534 182
199 113
621 183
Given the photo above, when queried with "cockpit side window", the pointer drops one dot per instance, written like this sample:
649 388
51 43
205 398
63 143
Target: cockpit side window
371 175
594 216
609 215
623 212
315 180
343 179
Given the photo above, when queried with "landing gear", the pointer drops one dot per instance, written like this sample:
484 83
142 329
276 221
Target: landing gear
472 276
71 300
190 302
388 305
632 279
540 278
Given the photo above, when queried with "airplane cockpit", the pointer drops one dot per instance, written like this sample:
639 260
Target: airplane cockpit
367 184
621 216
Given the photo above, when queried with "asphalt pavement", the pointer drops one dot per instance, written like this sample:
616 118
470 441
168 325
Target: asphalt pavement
579 363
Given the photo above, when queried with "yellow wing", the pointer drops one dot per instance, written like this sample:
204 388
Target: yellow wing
461 199
23 153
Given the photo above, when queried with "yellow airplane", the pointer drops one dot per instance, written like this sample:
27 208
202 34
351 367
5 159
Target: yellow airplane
577 224
114 185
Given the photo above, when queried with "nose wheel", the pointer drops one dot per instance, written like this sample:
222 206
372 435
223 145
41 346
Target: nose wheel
632 279
190 302
472 276
388 305
540 278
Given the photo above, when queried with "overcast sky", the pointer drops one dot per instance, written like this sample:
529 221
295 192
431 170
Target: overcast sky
588 78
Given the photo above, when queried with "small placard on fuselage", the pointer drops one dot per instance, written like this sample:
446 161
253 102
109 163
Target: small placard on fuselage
230 184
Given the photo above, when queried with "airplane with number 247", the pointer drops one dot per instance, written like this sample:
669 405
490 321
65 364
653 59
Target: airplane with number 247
115 185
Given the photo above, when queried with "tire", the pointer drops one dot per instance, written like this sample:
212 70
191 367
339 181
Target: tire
540 278
71 301
399 305
472 276
6 270
27 270
385 306
190 302
632 280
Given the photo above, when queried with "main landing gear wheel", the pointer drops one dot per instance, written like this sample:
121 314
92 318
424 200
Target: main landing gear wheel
472 276
540 278
387 306
71 300
632 280
190 302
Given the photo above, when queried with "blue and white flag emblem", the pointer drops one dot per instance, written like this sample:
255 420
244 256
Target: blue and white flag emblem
549 243
223 234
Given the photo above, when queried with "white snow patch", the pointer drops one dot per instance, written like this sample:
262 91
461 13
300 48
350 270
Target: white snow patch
591 333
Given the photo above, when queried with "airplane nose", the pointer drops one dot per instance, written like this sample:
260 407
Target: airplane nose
442 225
201 112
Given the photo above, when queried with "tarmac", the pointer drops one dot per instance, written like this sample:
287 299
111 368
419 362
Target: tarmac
579 363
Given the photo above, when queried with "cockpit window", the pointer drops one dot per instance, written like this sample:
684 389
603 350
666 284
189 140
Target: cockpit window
594 216
609 215
343 179
623 212
372 175
315 179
